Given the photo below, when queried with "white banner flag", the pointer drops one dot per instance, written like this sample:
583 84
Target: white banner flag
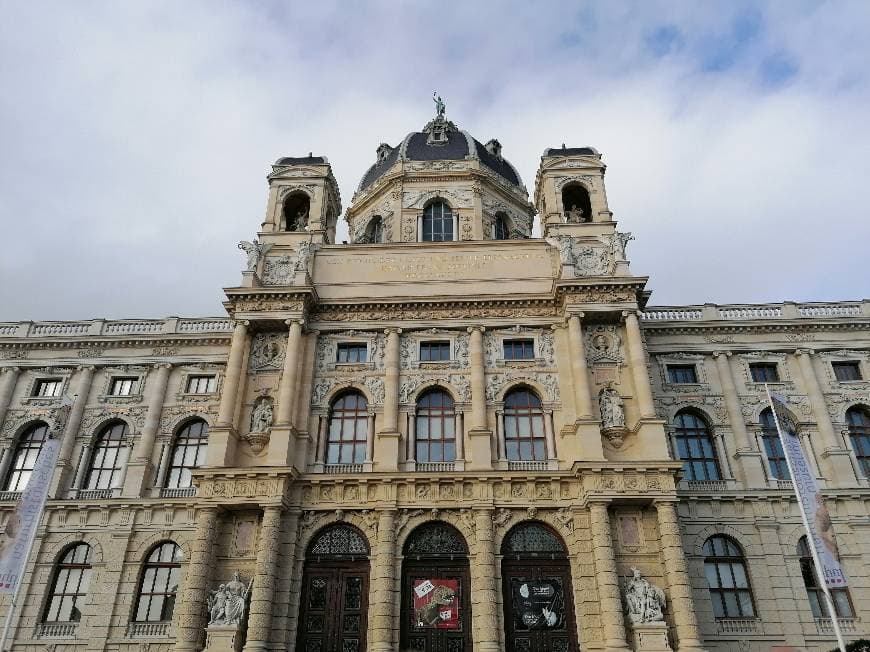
818 521
17 536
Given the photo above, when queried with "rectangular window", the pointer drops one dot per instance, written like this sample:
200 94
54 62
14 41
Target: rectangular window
764 372
201 384
846 371
122 386
519 349
48 387
352 352
434 351
682 374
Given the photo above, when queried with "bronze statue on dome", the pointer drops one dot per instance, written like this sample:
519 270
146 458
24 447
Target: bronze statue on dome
440 107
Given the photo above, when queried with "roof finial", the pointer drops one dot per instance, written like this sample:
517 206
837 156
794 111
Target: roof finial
439 104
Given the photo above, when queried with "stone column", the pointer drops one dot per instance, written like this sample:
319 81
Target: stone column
479 435
370 438
499 431
835 462
222 438
71 430
608 581
638 365
677 578
141 467
192 595
747 451
386 455
548 433
459 428
8 378
287 385
483 585
383 580
412 437
582 396
235 363
265 580
322 439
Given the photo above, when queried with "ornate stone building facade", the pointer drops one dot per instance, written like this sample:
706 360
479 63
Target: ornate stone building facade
445 435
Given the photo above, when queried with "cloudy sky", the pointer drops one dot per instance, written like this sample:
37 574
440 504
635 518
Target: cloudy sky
135 136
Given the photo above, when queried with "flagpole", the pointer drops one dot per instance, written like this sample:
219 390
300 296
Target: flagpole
810 540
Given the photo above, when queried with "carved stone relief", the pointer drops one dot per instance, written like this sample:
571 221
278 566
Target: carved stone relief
457 198
496 382
603 343
267 351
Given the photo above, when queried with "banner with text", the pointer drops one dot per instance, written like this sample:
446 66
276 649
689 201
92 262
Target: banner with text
17 534
819 521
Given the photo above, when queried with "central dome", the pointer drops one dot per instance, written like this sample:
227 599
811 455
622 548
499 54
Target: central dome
441 140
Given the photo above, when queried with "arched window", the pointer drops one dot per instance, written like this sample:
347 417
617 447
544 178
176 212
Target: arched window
725 568
533 540
524 426
859 431
348 430
69 585
437 223
436 427
296 208
435 539
188 453
338 541
576 204
105 466
158 586
695 447
840 597
500 230
773 446
24 457
375 230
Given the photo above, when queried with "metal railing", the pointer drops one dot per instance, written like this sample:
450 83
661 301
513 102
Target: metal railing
148 630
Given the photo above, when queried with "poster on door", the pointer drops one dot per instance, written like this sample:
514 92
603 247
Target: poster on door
436 603
538 604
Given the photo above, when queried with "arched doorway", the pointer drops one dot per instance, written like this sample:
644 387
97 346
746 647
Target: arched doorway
536 591
436 609
335 588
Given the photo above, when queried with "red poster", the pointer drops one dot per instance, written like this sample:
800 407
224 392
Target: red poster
436 603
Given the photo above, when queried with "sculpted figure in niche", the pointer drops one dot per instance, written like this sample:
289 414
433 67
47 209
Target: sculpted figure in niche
261 418
303 256
226 606
300 222
645 602
612 408
575 214
255 250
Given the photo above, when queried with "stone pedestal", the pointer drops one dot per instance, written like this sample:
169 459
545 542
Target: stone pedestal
650 637
223 638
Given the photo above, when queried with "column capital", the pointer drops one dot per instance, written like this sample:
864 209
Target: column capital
162 365
241 322
388 331
290 322
86 367
471 329
807 352
11 369
727 354
579 314
630 313
599 501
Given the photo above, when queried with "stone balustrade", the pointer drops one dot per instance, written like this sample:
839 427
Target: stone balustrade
744 312
106 328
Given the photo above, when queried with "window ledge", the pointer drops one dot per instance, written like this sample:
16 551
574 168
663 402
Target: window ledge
56 630
521 362
738 625
528 465
352 366
41 400
121 399
435 467
149 630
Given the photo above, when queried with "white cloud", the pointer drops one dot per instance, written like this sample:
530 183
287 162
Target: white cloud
136 137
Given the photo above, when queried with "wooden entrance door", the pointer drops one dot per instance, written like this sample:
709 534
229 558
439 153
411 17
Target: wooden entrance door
536 591
539 611
332 616
419 633
436 606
